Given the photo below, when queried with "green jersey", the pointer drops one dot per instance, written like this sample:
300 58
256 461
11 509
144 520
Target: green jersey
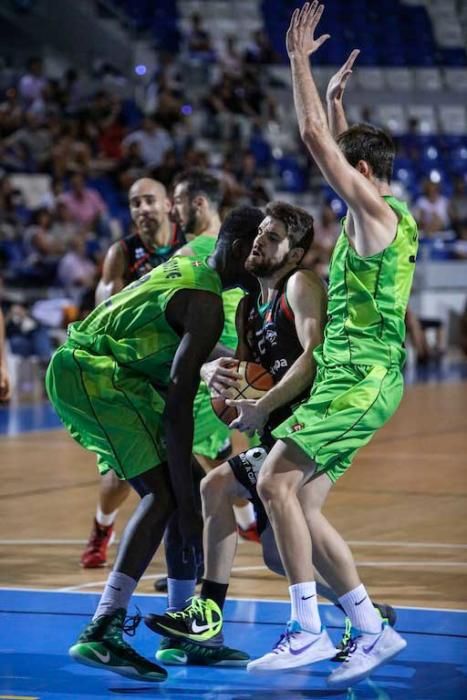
204 245
368 298
132 327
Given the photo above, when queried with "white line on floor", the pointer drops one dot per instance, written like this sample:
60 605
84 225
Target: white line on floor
352 543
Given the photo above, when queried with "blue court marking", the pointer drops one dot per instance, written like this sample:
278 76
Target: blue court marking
37 627
25 418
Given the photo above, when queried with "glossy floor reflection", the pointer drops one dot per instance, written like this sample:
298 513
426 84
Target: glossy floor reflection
37 627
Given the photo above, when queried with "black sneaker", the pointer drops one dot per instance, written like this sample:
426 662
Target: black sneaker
101 644
200 621
388 615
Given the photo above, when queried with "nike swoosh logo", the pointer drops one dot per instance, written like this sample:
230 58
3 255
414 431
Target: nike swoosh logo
199 628
368 649
114 587
308 596
361 601
296 652
105 658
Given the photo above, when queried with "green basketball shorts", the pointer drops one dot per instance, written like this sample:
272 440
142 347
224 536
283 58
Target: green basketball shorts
108 410
211 434
347 405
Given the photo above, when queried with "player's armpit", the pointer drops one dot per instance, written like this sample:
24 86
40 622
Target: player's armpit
113 273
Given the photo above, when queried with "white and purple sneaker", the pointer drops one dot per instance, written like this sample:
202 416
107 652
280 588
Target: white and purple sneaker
366 653
296 647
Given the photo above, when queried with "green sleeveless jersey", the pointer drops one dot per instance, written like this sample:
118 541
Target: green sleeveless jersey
132 327
368 297
204 245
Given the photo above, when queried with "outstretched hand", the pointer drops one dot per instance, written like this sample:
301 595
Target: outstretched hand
338 81
251 416
300 40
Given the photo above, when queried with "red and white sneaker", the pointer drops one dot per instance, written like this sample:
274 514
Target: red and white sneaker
251 534
95 553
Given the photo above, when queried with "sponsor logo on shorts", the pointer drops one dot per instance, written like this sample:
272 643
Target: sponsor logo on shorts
296 427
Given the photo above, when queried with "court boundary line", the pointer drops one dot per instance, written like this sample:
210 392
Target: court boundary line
6 542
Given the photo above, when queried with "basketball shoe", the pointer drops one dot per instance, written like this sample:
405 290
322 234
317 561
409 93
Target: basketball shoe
388 615
296 647
367 652
182 652
101 644
199 621
251 533
95 553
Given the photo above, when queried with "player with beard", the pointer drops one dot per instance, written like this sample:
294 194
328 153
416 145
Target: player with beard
278 328
153 242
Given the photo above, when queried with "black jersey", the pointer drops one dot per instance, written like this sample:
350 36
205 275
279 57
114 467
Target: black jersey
142 259
273 342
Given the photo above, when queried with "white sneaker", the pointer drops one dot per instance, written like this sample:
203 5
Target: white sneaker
296 647
367 653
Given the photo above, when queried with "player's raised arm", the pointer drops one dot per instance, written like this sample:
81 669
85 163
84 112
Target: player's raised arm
335 93
200 318
113 273
374 217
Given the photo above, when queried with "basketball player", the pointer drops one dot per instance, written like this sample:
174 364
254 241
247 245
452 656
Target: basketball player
124 385
4 376
358 384
278 327
155 240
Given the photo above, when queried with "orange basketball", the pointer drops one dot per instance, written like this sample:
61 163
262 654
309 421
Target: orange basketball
255 381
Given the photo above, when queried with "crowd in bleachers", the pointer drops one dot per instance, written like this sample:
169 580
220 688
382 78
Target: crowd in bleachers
82 144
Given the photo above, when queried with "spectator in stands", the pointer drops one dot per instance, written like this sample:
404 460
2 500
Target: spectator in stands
230 58
327 230
85 205
32 84
167 170
76 273
417 337
432 210
70 152
260 50
42 248
198 40
11 113
153 142
27 336
50 198
457 208
34 139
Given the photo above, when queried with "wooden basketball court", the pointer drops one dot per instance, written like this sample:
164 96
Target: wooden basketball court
401 506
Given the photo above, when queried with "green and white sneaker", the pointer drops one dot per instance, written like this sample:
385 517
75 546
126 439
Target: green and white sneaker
200 621
388 617
101 645
182 652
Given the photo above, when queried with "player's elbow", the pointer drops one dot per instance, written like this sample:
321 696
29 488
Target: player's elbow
312 132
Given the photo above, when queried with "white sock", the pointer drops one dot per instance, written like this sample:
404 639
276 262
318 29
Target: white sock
359 608
105 520
245 515
305 606
117 593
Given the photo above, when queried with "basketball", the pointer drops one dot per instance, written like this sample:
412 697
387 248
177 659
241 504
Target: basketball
254 383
